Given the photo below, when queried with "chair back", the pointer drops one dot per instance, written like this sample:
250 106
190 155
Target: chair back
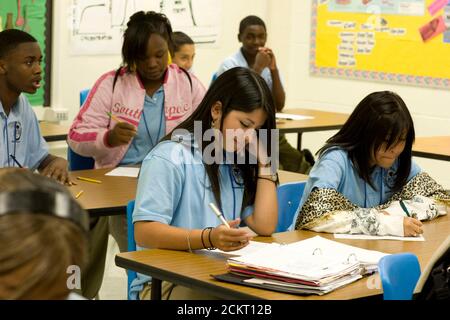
77 162
289 195
399 274
131 243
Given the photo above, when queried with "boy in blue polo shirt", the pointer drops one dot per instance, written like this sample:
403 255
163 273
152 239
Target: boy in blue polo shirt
21 143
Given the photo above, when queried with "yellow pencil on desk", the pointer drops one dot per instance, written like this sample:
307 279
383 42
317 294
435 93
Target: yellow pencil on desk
79 194
89 180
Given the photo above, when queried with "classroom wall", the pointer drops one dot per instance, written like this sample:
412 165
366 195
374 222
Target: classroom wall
71 74
288 23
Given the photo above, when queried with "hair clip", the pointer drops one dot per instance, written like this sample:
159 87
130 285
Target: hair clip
56 204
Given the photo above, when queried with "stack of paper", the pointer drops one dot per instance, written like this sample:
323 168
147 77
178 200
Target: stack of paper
313 266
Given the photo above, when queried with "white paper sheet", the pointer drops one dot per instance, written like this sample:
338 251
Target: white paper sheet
369 237
124 172
289 116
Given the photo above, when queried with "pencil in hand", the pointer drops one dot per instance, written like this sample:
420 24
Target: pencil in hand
113 117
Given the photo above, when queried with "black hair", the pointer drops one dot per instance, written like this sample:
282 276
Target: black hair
179 39
11 38
139 29
381 117
251 21
239 89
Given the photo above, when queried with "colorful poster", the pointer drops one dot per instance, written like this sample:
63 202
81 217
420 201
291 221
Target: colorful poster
395 41
397 7
34 17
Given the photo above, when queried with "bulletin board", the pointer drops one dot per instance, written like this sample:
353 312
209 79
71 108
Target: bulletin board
400 41
34 17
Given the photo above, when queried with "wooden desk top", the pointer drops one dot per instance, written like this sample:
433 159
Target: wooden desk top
323 120
108 198
113 194
195 269
53 132
432 147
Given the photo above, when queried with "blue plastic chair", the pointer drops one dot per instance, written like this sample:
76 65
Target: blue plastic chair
77 162
131 243
399 274
289 195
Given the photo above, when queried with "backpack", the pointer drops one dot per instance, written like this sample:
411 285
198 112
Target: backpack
435 280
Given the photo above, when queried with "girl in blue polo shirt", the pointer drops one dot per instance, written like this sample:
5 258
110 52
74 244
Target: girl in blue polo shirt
365 174
194 167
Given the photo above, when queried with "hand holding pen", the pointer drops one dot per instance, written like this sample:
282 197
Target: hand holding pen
121 133
412 227
227 237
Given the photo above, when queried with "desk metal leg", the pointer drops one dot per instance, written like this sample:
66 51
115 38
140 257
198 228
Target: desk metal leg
299 141
156 289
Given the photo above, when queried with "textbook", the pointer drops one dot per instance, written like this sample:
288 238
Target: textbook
312 266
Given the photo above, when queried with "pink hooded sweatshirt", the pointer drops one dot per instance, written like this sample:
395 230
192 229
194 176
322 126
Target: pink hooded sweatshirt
88 133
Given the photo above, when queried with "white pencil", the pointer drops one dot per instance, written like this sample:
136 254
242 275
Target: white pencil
218 214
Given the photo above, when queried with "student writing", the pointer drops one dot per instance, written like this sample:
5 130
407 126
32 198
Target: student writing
364 168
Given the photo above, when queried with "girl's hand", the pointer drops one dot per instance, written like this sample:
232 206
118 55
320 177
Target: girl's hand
412 227
229 239
121 134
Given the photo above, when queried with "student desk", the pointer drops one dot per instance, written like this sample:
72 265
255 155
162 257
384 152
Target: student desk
107 198
194 270
437 148
113 194
53 132
323 120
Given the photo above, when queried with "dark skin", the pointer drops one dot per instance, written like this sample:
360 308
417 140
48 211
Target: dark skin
151 72
20 71
258 57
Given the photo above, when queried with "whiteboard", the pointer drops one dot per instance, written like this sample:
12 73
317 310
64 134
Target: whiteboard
97 26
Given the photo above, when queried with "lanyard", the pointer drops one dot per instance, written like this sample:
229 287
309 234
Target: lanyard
232 189
159 128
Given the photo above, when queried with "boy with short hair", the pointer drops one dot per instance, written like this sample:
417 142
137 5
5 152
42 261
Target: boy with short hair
21 142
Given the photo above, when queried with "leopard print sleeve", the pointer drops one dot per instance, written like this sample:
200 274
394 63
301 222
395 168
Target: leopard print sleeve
326 210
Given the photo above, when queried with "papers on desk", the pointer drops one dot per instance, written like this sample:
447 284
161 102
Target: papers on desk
313 266
124 172
369 237
252 247
288 116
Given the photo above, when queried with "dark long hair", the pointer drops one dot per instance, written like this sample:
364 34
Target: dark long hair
238 89
381 117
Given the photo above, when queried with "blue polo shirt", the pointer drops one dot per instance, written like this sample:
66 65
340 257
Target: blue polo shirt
21 136
335 170
151 129
174 189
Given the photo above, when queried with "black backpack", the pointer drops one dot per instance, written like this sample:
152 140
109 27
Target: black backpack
437 285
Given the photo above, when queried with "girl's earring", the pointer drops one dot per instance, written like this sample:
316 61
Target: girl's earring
213 123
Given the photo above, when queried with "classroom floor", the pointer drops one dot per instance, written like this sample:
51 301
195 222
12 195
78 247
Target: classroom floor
114 286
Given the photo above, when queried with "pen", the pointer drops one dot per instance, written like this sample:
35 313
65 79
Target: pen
113 117
89 180
404 208
79 194
15 160
218 214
